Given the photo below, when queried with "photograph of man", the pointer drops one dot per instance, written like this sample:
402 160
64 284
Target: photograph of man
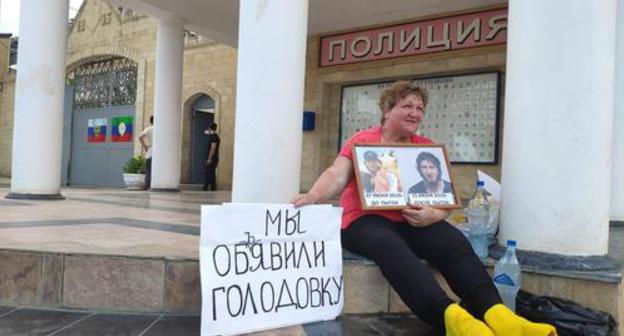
428 166
373 165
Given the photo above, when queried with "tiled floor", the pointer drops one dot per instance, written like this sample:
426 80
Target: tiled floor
35 322
107 221
123 219
119 222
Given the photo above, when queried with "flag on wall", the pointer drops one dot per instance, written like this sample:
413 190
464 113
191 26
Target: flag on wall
97 130
122 129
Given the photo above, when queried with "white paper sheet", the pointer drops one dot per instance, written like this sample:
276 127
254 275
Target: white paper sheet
266 266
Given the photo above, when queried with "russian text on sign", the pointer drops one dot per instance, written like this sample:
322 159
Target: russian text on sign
267 266
454 32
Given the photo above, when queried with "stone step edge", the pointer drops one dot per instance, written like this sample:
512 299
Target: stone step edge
160 285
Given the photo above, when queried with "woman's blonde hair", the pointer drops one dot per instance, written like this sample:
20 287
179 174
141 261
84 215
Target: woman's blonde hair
397 91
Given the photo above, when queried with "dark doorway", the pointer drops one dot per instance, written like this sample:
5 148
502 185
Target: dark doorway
203 117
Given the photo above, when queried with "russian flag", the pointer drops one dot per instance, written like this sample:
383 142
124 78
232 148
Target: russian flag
97 130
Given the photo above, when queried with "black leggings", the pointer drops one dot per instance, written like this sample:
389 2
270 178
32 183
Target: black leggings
397 248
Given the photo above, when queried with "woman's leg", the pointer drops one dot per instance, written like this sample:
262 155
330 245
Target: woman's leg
380 239
448 250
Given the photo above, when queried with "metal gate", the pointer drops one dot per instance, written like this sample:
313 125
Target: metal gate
102 124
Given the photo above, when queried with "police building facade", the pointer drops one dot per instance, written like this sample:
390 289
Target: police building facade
513 92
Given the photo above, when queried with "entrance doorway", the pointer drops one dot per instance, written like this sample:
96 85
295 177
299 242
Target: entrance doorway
99 121
203 116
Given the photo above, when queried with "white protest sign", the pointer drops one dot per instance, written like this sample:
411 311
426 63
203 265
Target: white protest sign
266 266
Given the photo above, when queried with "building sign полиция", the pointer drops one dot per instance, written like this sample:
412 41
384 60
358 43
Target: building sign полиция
447 33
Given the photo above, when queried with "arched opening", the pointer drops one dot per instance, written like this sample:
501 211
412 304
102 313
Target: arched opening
202 116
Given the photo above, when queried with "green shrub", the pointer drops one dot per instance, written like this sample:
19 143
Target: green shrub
136 165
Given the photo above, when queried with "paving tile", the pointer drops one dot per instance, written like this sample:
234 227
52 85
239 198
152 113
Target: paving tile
182 287
19 277
113 283
175 325
11 202
5 310
296 330
366 290
401 325
34 322
396 303
192 230
139 204
341 326
123 239
51 283
110 325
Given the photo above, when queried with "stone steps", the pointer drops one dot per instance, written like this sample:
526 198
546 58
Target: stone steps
139 284
142 284
99 282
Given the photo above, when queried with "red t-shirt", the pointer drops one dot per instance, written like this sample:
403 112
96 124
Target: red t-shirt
350 198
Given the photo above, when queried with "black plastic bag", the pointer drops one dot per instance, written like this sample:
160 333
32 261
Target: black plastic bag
570 318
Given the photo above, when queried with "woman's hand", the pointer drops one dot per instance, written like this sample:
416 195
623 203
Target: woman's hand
303 199
421 215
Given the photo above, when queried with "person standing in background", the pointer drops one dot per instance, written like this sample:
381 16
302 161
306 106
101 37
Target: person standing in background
213 158
146 140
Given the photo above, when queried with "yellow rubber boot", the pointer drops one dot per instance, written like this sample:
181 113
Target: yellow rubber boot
504 322
459 322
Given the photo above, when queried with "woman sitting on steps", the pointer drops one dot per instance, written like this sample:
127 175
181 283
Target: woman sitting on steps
398 240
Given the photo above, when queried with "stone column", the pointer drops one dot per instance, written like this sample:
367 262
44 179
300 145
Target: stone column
167 147
269 100
617 182
558 113
39 92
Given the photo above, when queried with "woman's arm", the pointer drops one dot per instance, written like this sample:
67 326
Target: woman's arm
331 182
419 215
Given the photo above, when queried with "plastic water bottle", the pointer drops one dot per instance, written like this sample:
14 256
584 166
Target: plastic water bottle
478 200
478 213
507 276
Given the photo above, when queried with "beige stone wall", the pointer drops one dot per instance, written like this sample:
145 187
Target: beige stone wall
323 90
5 47
7 88
210 68
7 94
101 29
